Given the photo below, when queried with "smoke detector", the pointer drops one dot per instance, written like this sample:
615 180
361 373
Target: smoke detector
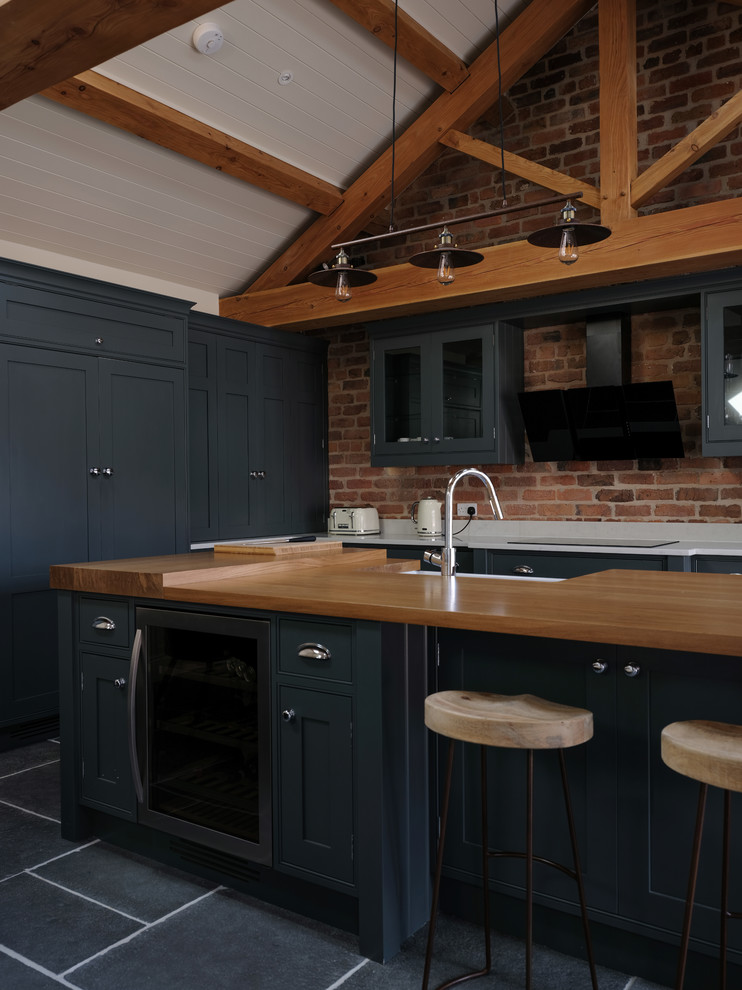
208 38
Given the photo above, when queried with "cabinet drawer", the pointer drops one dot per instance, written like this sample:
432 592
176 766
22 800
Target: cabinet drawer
104 622
717 565
566 565
69 321
317 649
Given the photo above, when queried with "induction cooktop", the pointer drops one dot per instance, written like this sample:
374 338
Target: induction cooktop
567 542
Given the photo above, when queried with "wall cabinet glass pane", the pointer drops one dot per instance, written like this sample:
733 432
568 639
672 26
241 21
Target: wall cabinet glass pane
447 395
722 372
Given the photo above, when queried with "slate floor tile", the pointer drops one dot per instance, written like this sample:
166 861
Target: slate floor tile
124 881
225 942
24 757
27 840
34 790
16 975
54 928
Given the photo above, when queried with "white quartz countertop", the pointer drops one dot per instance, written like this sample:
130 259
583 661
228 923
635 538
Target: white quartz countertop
486 537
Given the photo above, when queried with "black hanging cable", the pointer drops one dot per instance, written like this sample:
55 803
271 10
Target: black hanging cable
394 113
499 107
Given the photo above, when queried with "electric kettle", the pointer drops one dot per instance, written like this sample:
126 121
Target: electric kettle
428 519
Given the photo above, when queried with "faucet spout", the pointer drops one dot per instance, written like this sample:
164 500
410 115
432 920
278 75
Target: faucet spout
448 557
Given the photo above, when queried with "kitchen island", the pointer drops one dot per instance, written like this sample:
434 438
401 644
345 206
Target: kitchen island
639 649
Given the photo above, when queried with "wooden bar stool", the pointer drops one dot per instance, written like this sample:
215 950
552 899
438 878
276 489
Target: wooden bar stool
711 753
515 722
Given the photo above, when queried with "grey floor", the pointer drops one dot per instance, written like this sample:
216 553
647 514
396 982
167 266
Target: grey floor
91 917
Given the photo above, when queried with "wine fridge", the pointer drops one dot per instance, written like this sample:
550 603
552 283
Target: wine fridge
199 729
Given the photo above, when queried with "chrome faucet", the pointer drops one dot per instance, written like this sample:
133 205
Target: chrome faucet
446 558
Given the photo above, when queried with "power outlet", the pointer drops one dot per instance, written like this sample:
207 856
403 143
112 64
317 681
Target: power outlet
466 509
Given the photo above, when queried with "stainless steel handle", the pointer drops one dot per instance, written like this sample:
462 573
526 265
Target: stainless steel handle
600 666
94 471
314 651
436 439
523 569
104 623
257 474
132 707
288 714
632 669
119 683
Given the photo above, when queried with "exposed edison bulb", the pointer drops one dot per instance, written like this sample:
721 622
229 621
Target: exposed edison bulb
445 268
342 288
568 252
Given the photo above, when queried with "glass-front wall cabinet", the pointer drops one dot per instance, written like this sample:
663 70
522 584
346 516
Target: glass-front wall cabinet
442 397
722 356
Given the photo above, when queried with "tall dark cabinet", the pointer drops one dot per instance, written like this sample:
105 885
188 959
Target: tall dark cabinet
258 412
92 456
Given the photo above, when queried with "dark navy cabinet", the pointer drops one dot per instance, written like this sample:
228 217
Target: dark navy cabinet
547 563
258 454
93 455
717 565
444 391
634 816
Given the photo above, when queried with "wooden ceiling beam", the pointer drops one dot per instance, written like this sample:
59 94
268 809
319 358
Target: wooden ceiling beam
523 43
694 239
517 165
682 155
100 97
618 154
45 41
416 45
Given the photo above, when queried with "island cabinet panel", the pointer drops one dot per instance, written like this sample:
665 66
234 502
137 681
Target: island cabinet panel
258 456
315 765
92 435
634 816
561 672
106 781
316 774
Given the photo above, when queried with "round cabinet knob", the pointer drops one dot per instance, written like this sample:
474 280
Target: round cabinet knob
600 666
120 683
94 471
522 569
107 472
99 340
288 715
632 669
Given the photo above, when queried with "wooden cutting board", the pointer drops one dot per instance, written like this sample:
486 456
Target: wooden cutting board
279 549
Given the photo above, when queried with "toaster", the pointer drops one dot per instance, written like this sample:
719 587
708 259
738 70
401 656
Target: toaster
353 522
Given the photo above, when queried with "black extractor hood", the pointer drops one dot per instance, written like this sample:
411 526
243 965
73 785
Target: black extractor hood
611 419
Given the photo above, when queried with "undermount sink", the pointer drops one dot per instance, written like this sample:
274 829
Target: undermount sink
495 577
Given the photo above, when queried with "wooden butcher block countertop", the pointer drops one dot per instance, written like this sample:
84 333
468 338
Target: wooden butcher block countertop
665 610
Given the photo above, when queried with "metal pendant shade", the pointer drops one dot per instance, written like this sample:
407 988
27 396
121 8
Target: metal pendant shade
585 233
329 276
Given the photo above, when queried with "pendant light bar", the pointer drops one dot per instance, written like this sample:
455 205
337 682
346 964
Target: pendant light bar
470 219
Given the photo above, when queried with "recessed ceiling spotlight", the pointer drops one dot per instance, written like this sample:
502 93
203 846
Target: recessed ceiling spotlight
208 38
285 77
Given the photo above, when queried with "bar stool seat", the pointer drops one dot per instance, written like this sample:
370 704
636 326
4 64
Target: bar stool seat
711 753
524 722
520 721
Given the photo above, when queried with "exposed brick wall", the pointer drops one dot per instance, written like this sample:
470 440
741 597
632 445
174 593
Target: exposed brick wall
689 57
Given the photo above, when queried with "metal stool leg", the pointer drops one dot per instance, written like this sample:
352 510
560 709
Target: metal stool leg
691 894
529 866
439 869
578 871
724 893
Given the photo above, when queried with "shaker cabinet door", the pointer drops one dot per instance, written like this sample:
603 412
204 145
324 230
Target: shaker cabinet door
143 440
316 783
49 511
